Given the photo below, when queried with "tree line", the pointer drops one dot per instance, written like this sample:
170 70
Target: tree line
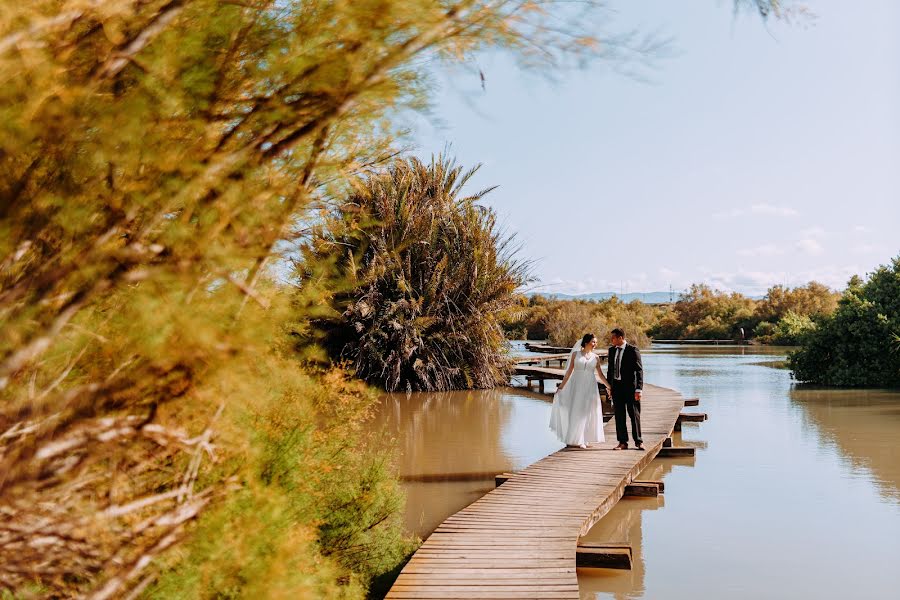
702 312
851 338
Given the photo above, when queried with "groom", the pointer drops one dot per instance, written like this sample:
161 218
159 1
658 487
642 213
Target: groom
625 373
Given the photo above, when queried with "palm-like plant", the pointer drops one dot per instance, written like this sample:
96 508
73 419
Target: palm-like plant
426 274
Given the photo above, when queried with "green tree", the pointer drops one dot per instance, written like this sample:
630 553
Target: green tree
429 278
792 329
856 346
812 300
705 313
568 320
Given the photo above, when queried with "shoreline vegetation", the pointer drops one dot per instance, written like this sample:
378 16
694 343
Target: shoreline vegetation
848 339
782 317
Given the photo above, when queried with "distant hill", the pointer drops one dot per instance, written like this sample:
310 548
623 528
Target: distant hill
645 297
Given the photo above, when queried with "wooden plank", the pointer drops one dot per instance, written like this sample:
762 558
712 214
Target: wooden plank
692 401
447 595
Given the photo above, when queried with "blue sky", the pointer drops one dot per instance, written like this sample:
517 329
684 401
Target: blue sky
755 154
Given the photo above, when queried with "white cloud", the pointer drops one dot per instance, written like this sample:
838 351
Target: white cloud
760 210
638 282
770 210
864 249
751 282
763 250
755 283
810 246
813 232
861 229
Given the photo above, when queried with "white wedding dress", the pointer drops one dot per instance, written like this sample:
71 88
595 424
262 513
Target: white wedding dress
576 416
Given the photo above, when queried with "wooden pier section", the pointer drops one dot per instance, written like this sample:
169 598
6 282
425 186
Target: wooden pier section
703 342
537 368
520 540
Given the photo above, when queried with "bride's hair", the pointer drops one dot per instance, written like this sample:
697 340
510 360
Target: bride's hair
587 339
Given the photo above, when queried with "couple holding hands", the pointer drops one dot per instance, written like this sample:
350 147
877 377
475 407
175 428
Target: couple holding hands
576 417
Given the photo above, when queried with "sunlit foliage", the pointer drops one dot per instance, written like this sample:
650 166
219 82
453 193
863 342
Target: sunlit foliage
857 345
705 313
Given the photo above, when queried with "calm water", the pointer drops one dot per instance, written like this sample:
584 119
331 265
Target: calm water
794 492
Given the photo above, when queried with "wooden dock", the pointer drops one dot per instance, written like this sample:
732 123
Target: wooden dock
547 349
543 360
520 540
541 374
704 342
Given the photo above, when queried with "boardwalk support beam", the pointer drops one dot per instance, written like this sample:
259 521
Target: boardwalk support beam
692 417
642 488
603 556
502 478
676 451
660 485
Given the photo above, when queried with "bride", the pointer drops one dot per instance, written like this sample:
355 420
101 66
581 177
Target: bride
576 416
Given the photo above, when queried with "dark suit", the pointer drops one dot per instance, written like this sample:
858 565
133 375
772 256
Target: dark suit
631 378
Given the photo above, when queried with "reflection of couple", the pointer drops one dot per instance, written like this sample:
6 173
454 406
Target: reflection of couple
576 416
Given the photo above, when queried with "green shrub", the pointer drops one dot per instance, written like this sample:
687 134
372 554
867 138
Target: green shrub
316 510
764 331
856 346
705 313
792 329
430 278
568 320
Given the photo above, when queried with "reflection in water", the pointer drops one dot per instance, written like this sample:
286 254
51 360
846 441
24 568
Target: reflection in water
624 523
458 441
794 495
863 425
793 492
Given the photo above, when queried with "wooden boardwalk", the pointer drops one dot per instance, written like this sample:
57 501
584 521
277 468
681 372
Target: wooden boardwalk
519 540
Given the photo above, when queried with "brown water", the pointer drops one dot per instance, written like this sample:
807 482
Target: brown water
794 492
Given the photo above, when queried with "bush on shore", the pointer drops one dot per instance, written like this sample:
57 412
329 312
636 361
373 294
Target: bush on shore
567 321
857 345
429 275
705 313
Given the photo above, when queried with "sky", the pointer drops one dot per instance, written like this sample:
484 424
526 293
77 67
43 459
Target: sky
748 154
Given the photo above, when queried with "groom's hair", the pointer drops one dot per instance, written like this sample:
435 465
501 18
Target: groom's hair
618 332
